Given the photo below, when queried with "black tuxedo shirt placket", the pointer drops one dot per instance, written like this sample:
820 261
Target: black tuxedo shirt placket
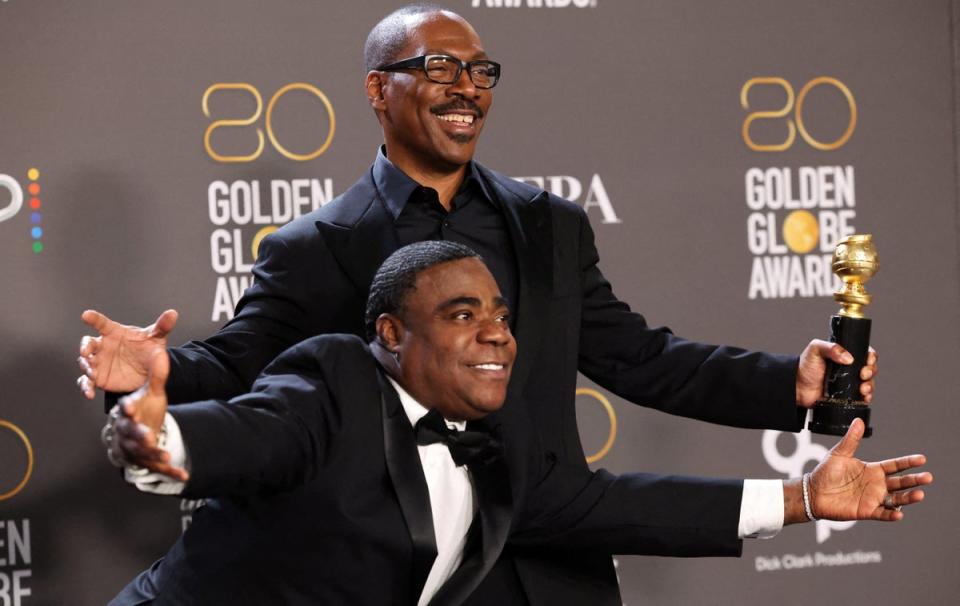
474 220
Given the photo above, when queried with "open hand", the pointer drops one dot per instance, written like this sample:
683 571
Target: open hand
843 487
117 359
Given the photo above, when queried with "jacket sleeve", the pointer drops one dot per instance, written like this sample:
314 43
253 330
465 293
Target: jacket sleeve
652 367
641 514
272 439
298 292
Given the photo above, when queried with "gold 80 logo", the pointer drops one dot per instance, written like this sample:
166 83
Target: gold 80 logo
22 438
239 122
611 415
795 105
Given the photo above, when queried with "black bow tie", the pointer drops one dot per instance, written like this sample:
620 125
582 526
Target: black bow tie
469 447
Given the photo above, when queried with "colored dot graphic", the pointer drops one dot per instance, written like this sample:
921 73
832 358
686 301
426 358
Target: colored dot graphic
36 232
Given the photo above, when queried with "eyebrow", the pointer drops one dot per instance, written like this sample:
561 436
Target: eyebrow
499 301
456 301
480 54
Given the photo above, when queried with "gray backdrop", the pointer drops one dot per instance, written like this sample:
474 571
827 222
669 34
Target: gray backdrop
633 109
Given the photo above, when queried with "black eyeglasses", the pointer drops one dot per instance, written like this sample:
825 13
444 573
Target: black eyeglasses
444 69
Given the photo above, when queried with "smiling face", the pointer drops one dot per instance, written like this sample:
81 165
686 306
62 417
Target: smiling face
430 127
456 349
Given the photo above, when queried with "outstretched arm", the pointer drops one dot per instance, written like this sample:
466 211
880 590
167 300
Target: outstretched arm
679 516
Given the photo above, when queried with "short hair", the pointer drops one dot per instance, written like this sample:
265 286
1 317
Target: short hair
397 277
390 35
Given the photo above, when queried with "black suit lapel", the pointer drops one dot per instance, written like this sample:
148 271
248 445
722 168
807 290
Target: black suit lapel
495 513
531 231
359 233
406 473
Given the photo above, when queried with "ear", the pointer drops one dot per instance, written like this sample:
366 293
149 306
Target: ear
374 86
390 332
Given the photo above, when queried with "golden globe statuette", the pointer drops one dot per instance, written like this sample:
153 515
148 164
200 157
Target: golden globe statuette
855 261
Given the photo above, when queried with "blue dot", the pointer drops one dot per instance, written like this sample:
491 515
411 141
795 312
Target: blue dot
35 217
36 232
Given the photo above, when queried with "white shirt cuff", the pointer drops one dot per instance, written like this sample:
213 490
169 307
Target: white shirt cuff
156 483
761 509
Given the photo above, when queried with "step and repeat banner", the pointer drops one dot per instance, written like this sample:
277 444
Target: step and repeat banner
720 150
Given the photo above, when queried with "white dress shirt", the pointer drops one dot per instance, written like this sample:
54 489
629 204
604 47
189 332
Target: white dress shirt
452 499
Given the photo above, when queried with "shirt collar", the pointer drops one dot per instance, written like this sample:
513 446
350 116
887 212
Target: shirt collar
416 411
396 187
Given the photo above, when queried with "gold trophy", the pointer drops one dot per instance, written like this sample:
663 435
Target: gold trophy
854 261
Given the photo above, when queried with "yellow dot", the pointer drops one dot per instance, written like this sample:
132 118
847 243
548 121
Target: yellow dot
800 231
263 233
33 174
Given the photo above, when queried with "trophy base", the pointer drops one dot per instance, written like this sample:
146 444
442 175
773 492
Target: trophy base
835 419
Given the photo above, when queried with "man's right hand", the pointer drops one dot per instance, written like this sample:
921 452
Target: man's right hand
118 359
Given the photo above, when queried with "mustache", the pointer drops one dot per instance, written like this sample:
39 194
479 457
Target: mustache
457 104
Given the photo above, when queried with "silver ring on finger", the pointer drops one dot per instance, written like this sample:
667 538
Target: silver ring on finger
888 503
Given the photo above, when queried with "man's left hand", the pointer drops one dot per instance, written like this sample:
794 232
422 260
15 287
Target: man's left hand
813 370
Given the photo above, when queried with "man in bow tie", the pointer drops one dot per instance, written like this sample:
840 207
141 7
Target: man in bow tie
430 82
393 472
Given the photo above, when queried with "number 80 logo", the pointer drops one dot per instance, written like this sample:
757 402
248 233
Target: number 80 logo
796 124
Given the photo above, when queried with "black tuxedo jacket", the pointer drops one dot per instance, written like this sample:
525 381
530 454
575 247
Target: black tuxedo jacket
318 496
312 277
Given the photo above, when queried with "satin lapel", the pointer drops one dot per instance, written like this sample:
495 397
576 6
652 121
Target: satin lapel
360 234
406 473
531 231
495 504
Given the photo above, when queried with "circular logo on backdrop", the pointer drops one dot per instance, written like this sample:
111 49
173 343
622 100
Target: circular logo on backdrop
21 439
801 232
611 415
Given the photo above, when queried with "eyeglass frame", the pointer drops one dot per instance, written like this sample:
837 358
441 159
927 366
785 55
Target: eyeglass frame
421 64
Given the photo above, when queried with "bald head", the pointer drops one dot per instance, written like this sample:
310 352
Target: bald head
389 37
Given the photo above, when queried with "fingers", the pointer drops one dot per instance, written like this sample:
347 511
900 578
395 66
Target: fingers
96 320
136 440
900 499
138 446
847 447
903 463
867 374
836 353
869 369
896 483
90 346
164 324
882 514
138 452
177 473
86 387
908 497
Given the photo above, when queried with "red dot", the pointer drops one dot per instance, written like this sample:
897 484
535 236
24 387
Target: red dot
35 203
34 188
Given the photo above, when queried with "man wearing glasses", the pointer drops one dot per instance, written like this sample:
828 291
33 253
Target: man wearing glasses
429 82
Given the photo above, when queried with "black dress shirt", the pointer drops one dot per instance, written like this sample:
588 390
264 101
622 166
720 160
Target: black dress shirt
475 219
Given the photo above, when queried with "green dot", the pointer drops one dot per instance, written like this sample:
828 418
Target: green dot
38 247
